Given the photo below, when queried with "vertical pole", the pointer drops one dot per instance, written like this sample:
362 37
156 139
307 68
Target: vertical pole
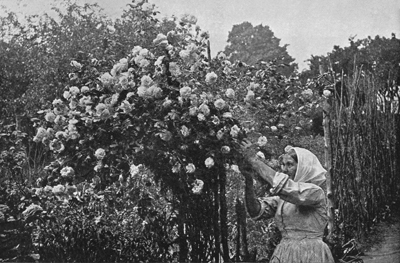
328 163
238 227
217 232
208 51
223 215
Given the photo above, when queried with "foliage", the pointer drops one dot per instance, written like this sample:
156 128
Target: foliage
170 108
378 56
253 44
124 222
15 243
138 129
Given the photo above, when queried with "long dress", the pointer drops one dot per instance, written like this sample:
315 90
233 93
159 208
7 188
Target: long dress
300 212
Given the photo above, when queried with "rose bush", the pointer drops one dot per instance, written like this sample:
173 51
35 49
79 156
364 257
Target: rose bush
171 108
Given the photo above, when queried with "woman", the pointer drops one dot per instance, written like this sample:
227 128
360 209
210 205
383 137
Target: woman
297 201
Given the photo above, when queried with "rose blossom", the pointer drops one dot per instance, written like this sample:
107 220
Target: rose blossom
74 90
190 168
274 128
327 93
185 92
225 149
67 171
84 89
56 146
134 170
219 104
235 131
230 93
211 78
209 162
197 186
249 96
220 134
204 109
100 154
185 131
262 140
50 117
146 81
201 117
58 189
193 111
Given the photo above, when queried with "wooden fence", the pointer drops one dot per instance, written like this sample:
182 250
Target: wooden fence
364 143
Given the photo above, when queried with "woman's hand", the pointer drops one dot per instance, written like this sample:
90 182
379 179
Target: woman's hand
245 169
248 149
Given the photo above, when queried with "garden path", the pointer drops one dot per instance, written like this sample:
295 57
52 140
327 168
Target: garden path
385 242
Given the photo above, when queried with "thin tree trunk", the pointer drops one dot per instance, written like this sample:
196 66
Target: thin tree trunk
183 246
244 232
208 51
223 216
238 228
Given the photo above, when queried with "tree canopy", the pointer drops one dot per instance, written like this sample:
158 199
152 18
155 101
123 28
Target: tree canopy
252 44
379 55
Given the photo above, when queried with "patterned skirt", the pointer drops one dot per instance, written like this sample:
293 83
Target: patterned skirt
306 250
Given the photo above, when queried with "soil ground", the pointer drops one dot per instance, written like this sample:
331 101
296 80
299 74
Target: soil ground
383 244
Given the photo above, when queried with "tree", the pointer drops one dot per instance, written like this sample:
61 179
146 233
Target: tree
251 45
379 56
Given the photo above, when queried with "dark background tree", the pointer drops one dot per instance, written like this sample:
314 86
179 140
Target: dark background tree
252 44
379 55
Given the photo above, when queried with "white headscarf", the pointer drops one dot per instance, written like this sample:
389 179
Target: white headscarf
309 169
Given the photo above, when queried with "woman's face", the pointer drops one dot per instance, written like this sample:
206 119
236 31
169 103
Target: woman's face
289 166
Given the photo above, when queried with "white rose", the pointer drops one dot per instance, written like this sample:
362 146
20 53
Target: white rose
197 186
134 170
225 149
190 168
66 94
74 90
84 89
327 93
185 92
204 109
220 134
185 131
67 171
211 78
50 117
76 64
262 141
58 189
230 93
219 104
209 162
201 117
235 168
146 81
100 154
165 136
235 131
249 96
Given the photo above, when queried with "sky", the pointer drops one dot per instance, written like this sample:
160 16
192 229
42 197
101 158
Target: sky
308 27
